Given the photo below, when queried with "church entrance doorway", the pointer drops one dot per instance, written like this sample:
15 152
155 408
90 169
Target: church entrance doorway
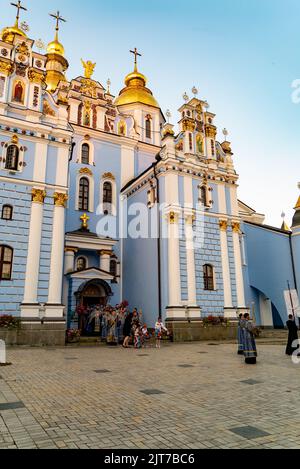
92 297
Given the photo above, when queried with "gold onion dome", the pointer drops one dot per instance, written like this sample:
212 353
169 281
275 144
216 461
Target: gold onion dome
135 91
8 34
55 47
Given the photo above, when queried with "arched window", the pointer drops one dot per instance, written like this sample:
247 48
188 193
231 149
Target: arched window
209 278
113 267
84 192
85 154
81 264
148 128
203 196
6 260
107 198
7 212
12 157
19 93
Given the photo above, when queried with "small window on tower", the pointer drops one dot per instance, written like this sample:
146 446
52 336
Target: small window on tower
148 127
7 212
203 196
191 142
213 151
12 158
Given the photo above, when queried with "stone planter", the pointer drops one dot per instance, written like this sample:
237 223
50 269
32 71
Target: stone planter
10 336
185 331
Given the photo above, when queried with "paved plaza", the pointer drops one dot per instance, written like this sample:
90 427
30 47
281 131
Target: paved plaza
185 396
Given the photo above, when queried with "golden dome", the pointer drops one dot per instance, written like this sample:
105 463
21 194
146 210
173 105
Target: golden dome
8 34
136 91
55 47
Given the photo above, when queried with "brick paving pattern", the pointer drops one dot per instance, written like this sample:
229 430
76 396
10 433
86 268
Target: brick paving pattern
113 398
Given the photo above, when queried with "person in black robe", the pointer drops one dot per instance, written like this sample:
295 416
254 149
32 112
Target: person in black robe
293 335
127 329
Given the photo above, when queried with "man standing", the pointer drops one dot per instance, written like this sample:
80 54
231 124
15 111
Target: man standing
240 334
250 351
293 335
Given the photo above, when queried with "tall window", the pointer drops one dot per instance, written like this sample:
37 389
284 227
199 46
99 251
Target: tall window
191 142
7 212
203 196
85 154
107 197
113 267
81 264
148 127
84 191
12 157
208 275
6 259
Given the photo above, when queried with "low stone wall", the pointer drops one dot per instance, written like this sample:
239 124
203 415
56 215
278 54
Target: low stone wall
185 331
36 334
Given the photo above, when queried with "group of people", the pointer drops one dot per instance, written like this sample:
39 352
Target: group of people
247 332
119 326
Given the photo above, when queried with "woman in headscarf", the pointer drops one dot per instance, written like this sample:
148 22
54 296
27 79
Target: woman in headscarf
293 336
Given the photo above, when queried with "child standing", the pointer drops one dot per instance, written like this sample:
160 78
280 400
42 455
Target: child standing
159 329
145 336
137 337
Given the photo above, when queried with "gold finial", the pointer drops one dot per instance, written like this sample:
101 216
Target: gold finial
84 221
58 19
89 68
19 7
136 55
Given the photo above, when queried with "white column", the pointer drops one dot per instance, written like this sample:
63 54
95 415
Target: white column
57 257
69 267
105 260
225 265
190 260
34 248
174 261
238 265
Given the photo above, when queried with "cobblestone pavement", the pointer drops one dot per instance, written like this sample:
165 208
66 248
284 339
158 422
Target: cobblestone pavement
181 397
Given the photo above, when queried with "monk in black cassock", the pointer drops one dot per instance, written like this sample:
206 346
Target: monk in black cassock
293 335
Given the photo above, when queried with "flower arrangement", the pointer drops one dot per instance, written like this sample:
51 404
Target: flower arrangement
9 322
81 311
73 335
216 321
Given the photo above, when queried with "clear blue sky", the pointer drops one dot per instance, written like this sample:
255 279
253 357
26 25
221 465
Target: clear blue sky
241 54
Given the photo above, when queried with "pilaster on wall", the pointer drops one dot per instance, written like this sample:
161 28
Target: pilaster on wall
225 265
30 306
54 306
238 265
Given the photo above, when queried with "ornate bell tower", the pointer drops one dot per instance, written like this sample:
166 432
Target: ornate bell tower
57 64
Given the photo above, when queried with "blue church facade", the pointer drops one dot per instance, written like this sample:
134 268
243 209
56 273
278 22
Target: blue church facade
102 201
